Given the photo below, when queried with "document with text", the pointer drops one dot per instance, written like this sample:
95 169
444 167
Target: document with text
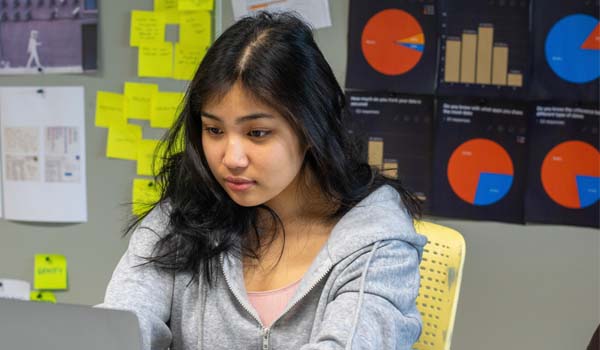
43 154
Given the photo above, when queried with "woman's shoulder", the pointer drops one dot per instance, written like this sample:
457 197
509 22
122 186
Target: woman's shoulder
381 216
158 216
153 226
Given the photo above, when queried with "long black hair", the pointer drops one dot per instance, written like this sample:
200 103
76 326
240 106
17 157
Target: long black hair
275 58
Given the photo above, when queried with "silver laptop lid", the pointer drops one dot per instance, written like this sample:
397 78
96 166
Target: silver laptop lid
27 325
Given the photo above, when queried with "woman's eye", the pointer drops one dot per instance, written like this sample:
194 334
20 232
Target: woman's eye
213 131
259 133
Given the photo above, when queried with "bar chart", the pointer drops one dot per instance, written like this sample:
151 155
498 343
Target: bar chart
474 58
484 49
389 167
395 133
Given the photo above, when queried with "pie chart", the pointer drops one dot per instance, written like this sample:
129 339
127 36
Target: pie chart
480 172
392 42
571 174
573 48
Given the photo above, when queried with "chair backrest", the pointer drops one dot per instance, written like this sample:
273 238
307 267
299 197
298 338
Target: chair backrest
441 274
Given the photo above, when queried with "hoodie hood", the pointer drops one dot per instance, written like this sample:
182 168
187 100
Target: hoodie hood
380 216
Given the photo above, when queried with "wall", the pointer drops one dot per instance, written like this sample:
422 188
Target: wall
524 287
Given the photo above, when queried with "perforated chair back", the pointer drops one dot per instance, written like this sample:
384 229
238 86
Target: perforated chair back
441 274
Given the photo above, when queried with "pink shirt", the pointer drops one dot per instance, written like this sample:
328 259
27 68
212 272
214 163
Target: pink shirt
271 303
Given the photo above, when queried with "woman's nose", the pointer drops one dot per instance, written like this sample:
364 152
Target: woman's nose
235 155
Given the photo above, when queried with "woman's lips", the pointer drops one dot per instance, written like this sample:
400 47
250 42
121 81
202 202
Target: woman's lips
236 184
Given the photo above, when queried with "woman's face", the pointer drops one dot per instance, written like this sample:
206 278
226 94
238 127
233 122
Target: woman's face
251 150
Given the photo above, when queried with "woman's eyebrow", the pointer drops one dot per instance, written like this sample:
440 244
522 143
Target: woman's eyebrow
240 120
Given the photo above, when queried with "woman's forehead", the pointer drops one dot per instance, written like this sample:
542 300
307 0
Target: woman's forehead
239 97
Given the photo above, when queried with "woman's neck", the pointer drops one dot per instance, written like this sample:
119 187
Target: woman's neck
301 202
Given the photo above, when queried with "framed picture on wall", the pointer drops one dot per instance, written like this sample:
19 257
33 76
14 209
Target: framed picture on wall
48 36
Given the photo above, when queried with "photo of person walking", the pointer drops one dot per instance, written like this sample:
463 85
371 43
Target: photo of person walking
32 50
48 37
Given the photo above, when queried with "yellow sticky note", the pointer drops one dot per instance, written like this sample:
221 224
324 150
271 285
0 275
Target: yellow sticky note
166 107
123 140
187 59
138 97
171 16
146 27
163 5
144 194
169 10
110 109
195 29
195 5
50 272
43 296
147 156
155 60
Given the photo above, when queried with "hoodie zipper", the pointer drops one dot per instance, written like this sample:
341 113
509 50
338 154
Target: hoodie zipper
266 331
265 339
303 295
236 297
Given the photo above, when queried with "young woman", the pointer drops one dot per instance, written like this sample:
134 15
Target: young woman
271 233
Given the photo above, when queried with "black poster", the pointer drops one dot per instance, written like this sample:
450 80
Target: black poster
396 132
564 166
484 48
392 46
566 50
479 159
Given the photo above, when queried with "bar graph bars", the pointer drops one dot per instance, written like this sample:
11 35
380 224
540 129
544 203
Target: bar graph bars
474 58
389 167
500 72
452 63
485 43
468 56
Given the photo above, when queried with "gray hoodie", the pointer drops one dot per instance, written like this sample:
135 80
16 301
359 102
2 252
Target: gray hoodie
359 292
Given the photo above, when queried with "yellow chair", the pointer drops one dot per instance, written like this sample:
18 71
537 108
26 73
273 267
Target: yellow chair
441 274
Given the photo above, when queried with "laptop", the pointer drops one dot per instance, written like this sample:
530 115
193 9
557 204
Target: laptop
28 325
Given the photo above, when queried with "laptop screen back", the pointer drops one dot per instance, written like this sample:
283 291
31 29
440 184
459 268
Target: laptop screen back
33 325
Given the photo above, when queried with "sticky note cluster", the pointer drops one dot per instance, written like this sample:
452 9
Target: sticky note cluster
125 140
165 59
138 101
49 274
